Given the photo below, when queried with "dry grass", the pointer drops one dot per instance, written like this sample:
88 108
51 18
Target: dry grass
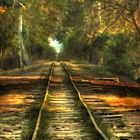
124 102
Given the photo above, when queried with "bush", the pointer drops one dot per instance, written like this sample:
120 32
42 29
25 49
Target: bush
100 40
116 54
42 50
11 62
95 52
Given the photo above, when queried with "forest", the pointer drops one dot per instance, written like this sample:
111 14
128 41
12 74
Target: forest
69 69
104 32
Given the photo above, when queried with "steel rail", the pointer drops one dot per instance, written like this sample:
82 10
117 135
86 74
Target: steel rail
85 105
34 136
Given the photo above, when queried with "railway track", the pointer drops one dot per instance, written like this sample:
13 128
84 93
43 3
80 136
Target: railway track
118 119
20 99
64 115
72 109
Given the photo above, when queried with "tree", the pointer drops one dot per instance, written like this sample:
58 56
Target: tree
117 57
36 21
12 47
123 11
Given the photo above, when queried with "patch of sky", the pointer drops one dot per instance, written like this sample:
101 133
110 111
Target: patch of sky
56 44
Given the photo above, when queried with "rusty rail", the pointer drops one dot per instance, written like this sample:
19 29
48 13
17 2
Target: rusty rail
34 136
85 105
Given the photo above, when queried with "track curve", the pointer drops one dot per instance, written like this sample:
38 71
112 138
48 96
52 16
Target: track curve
63 115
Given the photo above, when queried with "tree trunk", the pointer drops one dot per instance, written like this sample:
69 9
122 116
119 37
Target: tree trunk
23 55
135 24
95 56
14 53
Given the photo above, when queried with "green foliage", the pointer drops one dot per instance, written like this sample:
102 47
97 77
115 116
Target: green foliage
78 24
42 50
6 29
49 53
73 44
14 44
25 34
8 2
100 40
116 54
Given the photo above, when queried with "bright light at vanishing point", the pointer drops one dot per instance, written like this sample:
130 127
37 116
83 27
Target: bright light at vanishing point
54 43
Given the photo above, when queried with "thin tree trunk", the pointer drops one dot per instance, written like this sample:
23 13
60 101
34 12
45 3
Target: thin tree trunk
20 36
23 56
135 24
